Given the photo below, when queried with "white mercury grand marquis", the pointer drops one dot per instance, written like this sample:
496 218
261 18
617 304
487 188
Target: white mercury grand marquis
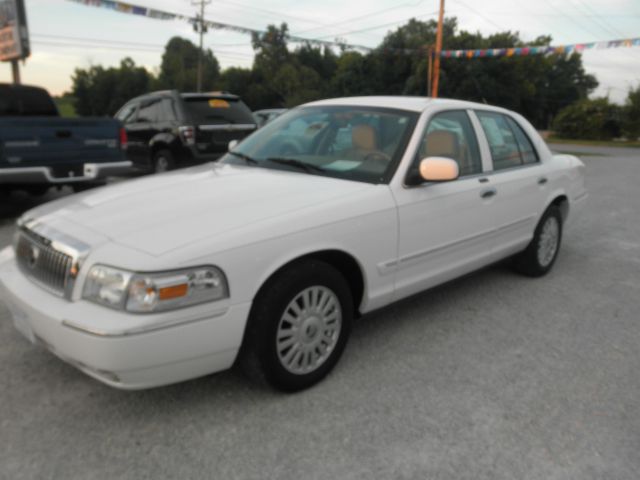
334 209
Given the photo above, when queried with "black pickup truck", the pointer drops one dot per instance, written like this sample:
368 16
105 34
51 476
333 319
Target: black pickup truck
39 149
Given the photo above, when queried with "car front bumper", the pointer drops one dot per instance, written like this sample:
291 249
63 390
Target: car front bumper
44 175
205 340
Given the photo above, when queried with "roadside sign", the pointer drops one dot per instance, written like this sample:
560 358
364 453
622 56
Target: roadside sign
14 34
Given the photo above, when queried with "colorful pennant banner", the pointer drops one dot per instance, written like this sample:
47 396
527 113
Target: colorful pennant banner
489 52
523 51
129 8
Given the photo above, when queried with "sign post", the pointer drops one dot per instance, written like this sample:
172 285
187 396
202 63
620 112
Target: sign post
14 35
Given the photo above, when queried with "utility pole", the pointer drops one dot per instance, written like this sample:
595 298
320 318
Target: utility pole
436 61
15 68
200 27
429 68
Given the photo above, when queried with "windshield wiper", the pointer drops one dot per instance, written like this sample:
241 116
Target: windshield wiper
245 157
292 162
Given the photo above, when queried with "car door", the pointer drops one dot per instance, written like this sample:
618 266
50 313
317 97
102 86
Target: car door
518 177
143 130
445 229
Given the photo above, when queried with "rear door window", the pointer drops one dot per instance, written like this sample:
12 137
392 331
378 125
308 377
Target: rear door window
510 147
150 112
218 111
168 110
127 114
527 151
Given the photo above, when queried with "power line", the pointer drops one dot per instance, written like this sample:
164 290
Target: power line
481 15
94 40
274 13
59 40
600 20
368 15
378 27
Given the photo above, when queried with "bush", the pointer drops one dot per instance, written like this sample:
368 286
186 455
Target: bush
631 115
596 119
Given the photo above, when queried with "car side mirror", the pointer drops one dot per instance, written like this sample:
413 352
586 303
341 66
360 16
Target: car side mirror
438 169
232 144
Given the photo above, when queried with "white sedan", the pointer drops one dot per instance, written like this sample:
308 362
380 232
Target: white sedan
335 209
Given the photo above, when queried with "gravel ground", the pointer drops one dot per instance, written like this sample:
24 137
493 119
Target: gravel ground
493 376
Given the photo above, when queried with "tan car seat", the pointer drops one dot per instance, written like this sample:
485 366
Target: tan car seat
442 143
363 137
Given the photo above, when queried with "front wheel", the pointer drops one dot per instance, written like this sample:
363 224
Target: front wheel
540 255
298 326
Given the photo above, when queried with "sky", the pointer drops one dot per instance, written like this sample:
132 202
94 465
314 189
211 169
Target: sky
66 35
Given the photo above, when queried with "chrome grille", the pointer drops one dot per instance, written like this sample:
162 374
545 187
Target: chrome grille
42 263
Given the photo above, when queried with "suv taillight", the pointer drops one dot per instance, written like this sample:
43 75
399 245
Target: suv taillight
188 135
123 139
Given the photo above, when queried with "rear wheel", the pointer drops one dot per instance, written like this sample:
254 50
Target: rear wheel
163 161
299 326
37 190
540 255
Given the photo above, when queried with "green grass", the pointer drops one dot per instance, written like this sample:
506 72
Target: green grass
65 106
594 143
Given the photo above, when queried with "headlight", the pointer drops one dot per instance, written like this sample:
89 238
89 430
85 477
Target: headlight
154 292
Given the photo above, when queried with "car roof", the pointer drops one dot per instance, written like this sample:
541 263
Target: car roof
221 95
170 93
415 104
271 110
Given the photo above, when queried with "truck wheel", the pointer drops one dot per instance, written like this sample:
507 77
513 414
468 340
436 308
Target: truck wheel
84 186
540 255
298 326
37 190
163 161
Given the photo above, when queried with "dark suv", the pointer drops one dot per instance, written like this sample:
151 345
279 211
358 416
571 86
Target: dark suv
170 129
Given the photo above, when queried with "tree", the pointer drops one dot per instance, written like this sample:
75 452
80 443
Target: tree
100 91
271 50
596 119
179 67
631 115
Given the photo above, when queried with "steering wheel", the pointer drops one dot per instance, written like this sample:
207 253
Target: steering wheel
289 149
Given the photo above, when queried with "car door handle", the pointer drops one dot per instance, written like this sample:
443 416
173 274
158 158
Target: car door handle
488 193
542 180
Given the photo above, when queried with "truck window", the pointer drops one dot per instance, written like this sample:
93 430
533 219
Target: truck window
150 112
212 110
26 101
127 113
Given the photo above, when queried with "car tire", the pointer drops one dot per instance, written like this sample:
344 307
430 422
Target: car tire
541 253
163 161
298 326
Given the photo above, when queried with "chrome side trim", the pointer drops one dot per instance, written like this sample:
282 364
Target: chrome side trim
421 256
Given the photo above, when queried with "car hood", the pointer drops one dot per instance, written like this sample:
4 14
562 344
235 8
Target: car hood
160 213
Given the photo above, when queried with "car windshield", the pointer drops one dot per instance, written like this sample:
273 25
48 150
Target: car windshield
354 143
